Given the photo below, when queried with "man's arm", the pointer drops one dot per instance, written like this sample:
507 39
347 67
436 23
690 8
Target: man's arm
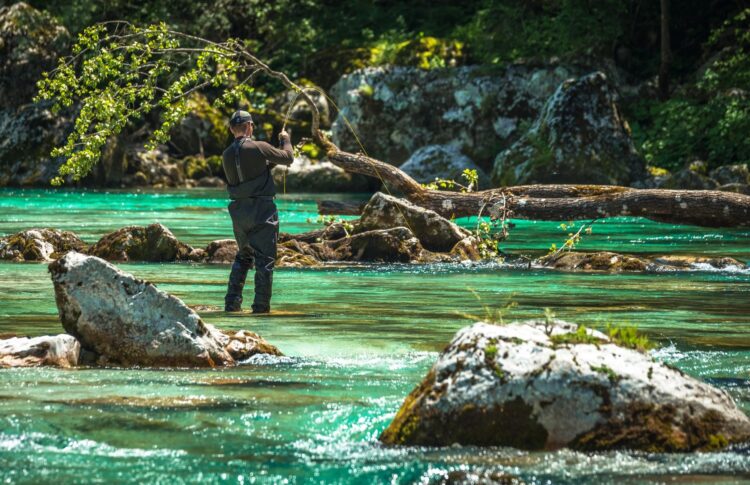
283 156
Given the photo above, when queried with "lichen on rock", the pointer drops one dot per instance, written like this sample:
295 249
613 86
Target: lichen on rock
517 385
579 137
128 322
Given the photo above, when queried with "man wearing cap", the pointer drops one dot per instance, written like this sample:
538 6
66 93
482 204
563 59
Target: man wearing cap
255 220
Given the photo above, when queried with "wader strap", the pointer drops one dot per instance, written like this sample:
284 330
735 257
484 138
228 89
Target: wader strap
237 147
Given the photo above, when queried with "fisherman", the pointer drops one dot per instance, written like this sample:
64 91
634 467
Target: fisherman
255 220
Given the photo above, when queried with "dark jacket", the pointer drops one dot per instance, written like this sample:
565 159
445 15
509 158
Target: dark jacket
256 159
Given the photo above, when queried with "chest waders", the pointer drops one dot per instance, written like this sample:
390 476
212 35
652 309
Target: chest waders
255 222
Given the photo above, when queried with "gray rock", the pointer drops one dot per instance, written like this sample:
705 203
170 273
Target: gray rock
306 175
434 231
392 245
580 137
444 162
300 111
397 110
50 350
514 385
688 179
137 243
731 174
129 322
39 245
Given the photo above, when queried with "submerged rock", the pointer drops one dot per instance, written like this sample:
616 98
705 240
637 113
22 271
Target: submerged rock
443 162
306 175
608 261
137 243
39 245
520 385
580 137
50 350
125 321
434 231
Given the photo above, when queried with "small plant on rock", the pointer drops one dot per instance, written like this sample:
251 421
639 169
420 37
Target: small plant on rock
491 315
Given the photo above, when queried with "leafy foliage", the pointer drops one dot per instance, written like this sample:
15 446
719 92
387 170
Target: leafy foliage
629 337
712 120
118 73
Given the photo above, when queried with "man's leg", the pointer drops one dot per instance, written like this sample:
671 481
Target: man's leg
263 242
243 262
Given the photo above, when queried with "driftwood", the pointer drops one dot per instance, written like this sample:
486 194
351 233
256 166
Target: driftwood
706 208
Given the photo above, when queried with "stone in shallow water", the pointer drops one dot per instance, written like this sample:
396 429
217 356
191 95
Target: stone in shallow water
39 245
50 350
434 231
136 243
608 261
129 322
513 385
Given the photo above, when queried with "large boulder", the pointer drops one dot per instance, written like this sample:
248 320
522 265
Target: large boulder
396 110
534 386
126 321
56 350
434 231
307 175
442 162
137 243
580 137
30 43
39 245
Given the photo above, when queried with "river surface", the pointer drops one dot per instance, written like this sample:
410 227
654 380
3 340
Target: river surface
357 340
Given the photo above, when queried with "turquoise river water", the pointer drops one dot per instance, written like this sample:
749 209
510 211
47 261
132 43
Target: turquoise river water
357 339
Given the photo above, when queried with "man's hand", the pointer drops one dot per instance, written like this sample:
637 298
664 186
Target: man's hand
284 136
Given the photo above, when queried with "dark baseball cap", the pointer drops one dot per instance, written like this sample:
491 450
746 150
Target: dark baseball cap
240 117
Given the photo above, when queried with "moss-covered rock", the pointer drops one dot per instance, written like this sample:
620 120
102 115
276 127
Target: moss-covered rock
579 137
396 110
615 262
517 385
39 245
137 243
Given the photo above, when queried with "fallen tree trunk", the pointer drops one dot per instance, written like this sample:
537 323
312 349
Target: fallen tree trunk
706 208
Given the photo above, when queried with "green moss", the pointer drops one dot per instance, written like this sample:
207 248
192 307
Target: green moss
490 351
580 336
603 369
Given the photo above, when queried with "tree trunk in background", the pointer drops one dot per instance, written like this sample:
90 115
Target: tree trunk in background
666 53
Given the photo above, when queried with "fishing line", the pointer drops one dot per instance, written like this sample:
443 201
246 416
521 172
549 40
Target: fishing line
362 148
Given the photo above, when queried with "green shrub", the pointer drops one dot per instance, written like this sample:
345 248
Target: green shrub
711 120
